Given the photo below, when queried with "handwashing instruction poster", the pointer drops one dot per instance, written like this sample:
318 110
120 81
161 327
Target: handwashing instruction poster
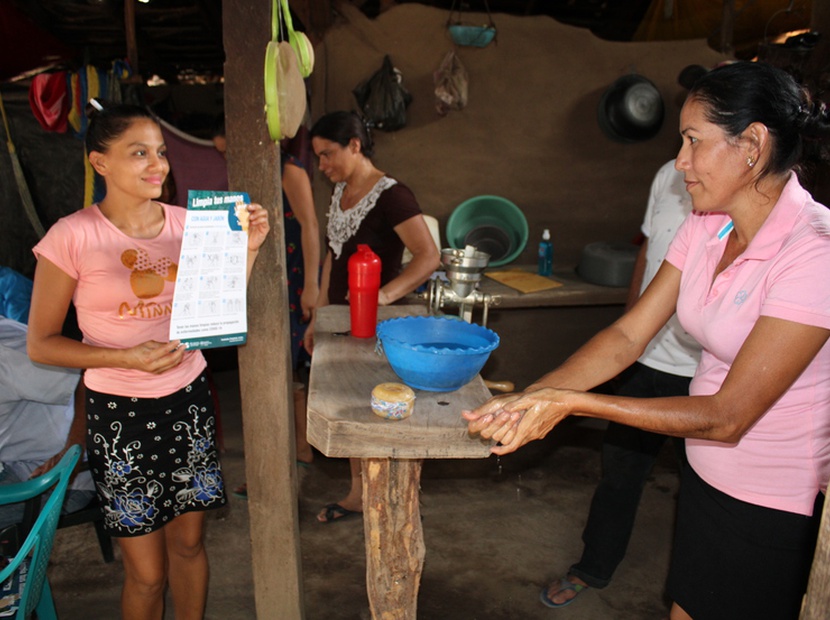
209 303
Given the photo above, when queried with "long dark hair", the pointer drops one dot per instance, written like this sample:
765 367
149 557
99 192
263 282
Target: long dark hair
740 93
108 121
341 127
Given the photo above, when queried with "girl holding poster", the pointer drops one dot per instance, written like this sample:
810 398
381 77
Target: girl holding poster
150 435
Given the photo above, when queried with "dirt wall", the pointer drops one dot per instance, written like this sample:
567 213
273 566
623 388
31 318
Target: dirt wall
529 131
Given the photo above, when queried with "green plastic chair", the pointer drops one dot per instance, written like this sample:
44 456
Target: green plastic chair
33 556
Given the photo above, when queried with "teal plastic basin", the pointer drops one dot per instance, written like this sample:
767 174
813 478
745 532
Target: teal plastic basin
492 222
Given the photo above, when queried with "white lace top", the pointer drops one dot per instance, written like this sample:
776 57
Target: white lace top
342 225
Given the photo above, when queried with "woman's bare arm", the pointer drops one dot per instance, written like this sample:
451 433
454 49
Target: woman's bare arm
773 356
297 189
51 295
415 235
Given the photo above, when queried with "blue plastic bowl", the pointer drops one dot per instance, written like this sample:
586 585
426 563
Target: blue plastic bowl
438 354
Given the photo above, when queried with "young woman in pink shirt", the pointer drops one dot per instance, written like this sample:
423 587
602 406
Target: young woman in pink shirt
747 276
150 418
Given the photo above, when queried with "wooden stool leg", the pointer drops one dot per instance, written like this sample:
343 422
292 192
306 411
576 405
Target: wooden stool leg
394 537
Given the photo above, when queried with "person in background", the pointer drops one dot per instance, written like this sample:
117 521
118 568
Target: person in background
41 416
747 275
150 417
628 454
302 263
367 207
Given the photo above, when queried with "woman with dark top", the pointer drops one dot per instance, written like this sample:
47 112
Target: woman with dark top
150 416
367 207
747 276
302 266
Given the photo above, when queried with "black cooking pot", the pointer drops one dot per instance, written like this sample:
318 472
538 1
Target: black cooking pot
631 109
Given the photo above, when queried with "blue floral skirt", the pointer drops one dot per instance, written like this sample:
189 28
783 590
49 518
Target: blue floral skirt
153 459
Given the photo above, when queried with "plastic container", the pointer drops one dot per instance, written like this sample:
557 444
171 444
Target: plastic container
491 240
545 254
364 284
492 222
437 354
475 36
608 263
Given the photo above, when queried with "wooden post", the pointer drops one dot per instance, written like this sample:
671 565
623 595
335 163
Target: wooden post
394 536
819 61
724 41
817 600
129 34
265 361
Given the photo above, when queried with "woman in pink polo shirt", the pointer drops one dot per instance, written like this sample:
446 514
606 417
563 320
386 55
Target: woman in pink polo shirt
150 418
747 274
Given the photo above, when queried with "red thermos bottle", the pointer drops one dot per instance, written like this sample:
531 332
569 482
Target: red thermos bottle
364 284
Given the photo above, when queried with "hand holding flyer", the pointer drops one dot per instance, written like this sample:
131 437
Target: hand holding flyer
209 301
242 215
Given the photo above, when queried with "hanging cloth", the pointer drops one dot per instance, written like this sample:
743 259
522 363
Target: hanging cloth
194 163
85 84
49 100
22 187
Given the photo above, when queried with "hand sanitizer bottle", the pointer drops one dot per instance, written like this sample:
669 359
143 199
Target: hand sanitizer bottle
545 254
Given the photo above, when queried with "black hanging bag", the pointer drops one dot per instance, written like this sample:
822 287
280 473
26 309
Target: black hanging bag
383 99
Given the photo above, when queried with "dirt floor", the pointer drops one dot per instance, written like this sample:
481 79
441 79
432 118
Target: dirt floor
496 531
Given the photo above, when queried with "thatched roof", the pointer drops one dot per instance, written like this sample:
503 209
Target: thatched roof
175 38
170 36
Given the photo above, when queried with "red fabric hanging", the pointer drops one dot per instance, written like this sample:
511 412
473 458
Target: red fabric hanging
49 99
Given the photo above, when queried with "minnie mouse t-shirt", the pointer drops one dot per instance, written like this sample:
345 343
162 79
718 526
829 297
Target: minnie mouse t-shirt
124 294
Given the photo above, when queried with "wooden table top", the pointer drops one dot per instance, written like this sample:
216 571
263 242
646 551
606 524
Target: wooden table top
345 370
574 291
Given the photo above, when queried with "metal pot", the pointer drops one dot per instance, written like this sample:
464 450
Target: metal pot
631 109
608 263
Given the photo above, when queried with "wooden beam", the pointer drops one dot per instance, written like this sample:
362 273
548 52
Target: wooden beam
817 600
819 63
265 361
129 33
727 27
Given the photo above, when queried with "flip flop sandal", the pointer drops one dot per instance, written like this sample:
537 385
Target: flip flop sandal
241 491
336 512
564 585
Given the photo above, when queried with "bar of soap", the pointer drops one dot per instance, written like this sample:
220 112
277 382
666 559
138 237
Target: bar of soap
394 401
